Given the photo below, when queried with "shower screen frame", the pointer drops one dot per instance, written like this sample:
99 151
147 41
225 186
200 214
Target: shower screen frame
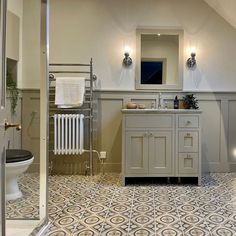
44 40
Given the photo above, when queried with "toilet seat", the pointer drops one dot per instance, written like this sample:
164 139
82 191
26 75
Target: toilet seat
17 155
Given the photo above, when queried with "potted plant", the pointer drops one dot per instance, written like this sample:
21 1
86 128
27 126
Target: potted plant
190 102
12 88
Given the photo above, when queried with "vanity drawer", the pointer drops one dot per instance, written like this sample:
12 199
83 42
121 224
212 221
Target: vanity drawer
188 163
188 121
149 121
188 141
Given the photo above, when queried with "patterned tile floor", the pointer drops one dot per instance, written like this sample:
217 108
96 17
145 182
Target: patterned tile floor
26 207
99 205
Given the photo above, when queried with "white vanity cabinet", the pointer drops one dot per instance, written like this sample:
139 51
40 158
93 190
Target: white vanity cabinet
161 143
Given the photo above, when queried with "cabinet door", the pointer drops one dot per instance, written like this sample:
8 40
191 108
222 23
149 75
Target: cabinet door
188 141
136 152
160 152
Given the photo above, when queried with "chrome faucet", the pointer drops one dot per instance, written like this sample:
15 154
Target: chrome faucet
159 101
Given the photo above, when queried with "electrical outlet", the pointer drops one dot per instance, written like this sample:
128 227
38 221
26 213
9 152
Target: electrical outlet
103 155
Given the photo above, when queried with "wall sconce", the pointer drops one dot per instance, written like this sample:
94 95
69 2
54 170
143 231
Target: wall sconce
127 61
191 62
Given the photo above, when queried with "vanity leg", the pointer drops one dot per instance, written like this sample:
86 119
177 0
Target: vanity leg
123 181
179 180
168 180
199 181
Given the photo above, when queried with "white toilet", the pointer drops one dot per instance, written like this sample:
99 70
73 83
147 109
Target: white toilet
17 162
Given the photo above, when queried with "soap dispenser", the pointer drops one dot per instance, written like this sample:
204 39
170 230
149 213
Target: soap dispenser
176 103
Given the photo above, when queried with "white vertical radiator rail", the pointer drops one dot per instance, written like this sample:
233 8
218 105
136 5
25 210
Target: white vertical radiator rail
77 135
68 134
55 133
73 134
81 134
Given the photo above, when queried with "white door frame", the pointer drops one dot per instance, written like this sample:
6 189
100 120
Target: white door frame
3 10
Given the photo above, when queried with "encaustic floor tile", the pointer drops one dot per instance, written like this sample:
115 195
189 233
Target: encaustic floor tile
100 206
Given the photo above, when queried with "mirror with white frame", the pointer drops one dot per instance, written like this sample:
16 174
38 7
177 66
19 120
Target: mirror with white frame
159 59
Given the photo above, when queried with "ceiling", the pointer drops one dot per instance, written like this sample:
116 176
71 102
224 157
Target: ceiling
225 8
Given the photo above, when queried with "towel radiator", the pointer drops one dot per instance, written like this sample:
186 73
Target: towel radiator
87 109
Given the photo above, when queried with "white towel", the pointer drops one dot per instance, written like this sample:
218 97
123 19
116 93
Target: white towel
69 92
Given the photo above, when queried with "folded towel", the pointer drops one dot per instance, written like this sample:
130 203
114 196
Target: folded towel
69 92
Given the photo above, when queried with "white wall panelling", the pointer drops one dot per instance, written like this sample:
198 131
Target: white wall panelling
232 132
30 125
109 131
218 126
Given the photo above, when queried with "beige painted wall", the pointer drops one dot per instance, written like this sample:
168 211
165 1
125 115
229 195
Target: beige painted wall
100 29
31 44
225 8
16 7
12 36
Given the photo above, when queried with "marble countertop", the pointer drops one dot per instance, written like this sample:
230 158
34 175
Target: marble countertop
149 110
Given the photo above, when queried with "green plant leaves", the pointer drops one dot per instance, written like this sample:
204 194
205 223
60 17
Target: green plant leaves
14 92
191 101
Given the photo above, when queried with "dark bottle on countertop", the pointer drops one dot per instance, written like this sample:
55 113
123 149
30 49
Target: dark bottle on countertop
176 103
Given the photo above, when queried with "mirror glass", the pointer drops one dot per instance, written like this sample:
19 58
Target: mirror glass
159 59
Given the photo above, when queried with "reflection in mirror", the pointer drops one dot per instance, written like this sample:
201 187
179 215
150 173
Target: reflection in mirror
153 70
22 154
159 59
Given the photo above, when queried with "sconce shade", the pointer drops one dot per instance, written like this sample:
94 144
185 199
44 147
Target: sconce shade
191 62
127 61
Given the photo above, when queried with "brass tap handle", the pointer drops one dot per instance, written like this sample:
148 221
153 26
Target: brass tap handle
10 125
